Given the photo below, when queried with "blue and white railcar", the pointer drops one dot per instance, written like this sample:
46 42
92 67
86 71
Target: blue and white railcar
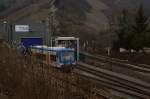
59 57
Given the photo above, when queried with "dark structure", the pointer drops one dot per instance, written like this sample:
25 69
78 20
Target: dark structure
37 28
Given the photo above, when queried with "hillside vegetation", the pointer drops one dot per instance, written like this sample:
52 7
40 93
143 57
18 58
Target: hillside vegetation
71 15
93 18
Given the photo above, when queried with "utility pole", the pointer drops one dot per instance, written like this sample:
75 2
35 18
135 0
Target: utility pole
11 33
47 31
51 28
6 35
110 45
50 24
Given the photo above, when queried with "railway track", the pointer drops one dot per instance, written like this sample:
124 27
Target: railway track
121 63
118 82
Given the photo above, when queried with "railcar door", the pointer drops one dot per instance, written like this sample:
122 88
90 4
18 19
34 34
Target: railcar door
41 57
54 58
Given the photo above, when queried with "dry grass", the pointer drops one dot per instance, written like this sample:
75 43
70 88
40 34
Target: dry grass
22 79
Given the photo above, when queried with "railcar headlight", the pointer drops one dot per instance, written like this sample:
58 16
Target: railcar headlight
61 64
74 63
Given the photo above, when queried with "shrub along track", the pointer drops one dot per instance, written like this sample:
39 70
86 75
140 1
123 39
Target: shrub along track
22 79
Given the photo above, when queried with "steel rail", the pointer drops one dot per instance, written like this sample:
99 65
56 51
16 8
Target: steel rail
140 68
125 85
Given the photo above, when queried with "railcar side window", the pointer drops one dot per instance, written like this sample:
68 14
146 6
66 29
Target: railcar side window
53 58
41 57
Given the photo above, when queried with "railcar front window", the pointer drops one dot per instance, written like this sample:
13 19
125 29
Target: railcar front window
41 57
53 58
67 57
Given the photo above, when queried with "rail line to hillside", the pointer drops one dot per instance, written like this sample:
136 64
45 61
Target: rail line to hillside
115 81
121 63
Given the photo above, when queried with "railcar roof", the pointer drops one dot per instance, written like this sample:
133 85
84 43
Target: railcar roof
66 38
46 48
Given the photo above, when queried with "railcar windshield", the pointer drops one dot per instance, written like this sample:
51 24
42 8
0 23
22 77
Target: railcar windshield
68 57
41 57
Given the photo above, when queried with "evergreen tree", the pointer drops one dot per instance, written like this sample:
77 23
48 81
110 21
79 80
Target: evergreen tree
2 7
123 31
141 30
135 36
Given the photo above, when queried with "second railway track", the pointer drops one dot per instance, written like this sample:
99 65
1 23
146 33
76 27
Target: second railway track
115 81
139 67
